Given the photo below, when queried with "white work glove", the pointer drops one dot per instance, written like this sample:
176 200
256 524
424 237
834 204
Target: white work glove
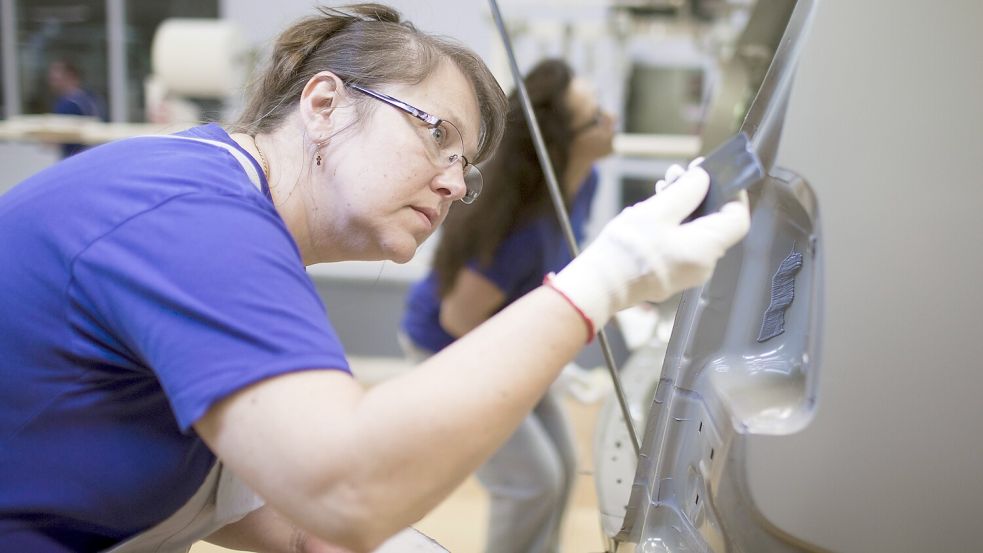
674 172
645 254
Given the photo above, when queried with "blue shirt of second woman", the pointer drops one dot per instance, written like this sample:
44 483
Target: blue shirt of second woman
519 265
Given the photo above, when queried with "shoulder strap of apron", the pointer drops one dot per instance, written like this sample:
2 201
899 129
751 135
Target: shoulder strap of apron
247 164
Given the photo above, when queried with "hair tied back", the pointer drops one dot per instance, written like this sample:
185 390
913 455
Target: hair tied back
363 12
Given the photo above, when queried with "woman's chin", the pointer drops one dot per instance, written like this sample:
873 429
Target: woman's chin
400 259
401 252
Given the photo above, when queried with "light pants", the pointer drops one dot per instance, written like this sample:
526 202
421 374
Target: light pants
529 478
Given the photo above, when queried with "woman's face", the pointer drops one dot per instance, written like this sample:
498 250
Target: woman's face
381 192
593 127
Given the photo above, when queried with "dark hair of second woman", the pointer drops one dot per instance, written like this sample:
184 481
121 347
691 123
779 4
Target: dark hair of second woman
515 189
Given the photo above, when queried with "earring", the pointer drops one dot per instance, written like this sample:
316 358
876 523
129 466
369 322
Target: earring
317 151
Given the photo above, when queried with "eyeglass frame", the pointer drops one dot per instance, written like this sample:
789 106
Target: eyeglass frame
432 122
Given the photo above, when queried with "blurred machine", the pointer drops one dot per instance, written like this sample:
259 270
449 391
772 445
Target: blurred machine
194 60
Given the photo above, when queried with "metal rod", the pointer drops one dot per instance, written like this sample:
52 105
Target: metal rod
8 50
561 210
116 46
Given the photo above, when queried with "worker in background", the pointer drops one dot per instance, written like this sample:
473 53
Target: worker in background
169 371
490 257
65 82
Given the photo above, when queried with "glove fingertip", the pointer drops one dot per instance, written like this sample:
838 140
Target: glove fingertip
674 172
680 199
738 208
700 171
733 222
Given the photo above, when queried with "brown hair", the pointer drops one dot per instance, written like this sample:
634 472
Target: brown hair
364 44
515 189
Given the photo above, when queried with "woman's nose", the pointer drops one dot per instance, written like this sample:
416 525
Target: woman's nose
449 182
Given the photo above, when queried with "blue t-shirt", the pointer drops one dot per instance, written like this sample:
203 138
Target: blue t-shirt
142 282
518 267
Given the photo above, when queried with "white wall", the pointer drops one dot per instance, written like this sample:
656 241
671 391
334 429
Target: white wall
465 21
886 121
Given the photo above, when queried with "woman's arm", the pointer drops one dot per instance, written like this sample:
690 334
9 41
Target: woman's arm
353 466
471 302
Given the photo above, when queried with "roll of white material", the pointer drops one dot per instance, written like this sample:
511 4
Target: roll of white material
199 57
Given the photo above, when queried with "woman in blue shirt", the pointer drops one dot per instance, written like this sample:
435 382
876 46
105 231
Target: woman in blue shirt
491 257
165 353
65 80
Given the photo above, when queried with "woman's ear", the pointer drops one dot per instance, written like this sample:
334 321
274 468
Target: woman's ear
321 96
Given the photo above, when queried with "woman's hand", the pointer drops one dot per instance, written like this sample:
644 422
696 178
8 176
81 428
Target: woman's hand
646 253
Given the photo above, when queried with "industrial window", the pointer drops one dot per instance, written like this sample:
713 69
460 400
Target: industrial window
108 41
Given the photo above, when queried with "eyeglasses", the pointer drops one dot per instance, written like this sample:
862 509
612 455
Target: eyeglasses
445 144
595 120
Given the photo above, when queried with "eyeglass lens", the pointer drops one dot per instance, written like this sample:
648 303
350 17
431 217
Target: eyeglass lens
447 147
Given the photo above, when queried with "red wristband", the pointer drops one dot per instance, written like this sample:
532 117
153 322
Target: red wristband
548 282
